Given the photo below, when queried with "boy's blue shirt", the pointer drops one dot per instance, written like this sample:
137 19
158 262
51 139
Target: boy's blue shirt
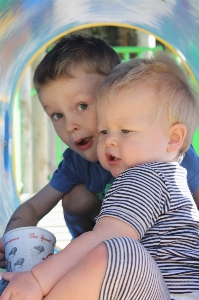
191 164
74 169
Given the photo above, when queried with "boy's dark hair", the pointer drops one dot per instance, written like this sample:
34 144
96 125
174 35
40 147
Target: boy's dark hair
89 53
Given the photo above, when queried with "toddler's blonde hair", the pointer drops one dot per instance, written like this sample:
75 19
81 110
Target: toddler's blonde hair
172 89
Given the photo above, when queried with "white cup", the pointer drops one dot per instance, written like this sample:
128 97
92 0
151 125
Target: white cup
26 247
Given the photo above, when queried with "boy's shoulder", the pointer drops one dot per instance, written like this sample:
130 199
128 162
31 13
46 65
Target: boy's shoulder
191 164
74 169
71 157
74 161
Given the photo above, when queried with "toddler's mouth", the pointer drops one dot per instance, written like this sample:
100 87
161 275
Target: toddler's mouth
111 157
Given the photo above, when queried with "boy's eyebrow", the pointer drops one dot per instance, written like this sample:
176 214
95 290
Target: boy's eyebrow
45 107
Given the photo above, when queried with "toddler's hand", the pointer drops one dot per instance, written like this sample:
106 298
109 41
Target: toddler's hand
22 286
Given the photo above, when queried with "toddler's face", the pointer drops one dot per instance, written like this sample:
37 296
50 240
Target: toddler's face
71 105
129 135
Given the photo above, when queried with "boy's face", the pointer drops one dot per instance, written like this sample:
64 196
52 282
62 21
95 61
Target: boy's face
129 135
71 105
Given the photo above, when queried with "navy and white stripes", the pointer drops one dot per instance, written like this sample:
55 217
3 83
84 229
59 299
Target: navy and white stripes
154 198
132 273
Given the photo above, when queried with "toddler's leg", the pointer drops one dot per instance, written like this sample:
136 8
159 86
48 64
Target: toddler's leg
131 273
84 281
118 269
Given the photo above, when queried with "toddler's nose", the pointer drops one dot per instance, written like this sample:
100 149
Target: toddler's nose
111 140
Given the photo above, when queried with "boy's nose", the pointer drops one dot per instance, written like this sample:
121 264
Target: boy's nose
71 125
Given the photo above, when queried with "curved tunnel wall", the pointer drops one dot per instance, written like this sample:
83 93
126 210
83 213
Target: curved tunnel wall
28 25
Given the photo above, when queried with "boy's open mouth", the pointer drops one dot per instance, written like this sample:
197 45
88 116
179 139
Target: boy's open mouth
84 141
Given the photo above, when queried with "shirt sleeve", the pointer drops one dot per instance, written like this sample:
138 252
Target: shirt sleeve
136 199
66 175
191 164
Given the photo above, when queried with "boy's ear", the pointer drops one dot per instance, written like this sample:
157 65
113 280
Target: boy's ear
177 133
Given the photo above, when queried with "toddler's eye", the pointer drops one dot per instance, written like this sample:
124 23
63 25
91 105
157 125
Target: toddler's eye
125 131
57 116
104 132
82 106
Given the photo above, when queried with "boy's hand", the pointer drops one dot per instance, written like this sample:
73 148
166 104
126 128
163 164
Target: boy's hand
2 255
22 286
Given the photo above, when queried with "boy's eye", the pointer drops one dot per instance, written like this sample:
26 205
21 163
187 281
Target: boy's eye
82 106
104 132
125 131
57 116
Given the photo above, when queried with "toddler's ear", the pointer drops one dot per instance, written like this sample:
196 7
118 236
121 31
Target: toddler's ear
177 133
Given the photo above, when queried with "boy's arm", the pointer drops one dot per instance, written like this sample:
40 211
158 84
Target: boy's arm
49 272
33 210
2 255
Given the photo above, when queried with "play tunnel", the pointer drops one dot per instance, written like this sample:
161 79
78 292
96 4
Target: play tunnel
29 26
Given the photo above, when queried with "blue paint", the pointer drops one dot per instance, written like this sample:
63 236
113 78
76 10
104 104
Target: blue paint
6 141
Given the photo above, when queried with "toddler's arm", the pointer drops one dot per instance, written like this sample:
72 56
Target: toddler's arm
49 272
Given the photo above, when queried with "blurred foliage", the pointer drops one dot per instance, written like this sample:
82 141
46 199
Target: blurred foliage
116 36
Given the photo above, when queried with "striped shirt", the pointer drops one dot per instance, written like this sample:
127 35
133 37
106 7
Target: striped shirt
155 199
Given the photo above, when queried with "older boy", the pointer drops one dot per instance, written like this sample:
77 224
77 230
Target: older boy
66 81
145 244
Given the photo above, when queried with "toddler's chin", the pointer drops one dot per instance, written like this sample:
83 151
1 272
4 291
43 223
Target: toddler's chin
115 173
